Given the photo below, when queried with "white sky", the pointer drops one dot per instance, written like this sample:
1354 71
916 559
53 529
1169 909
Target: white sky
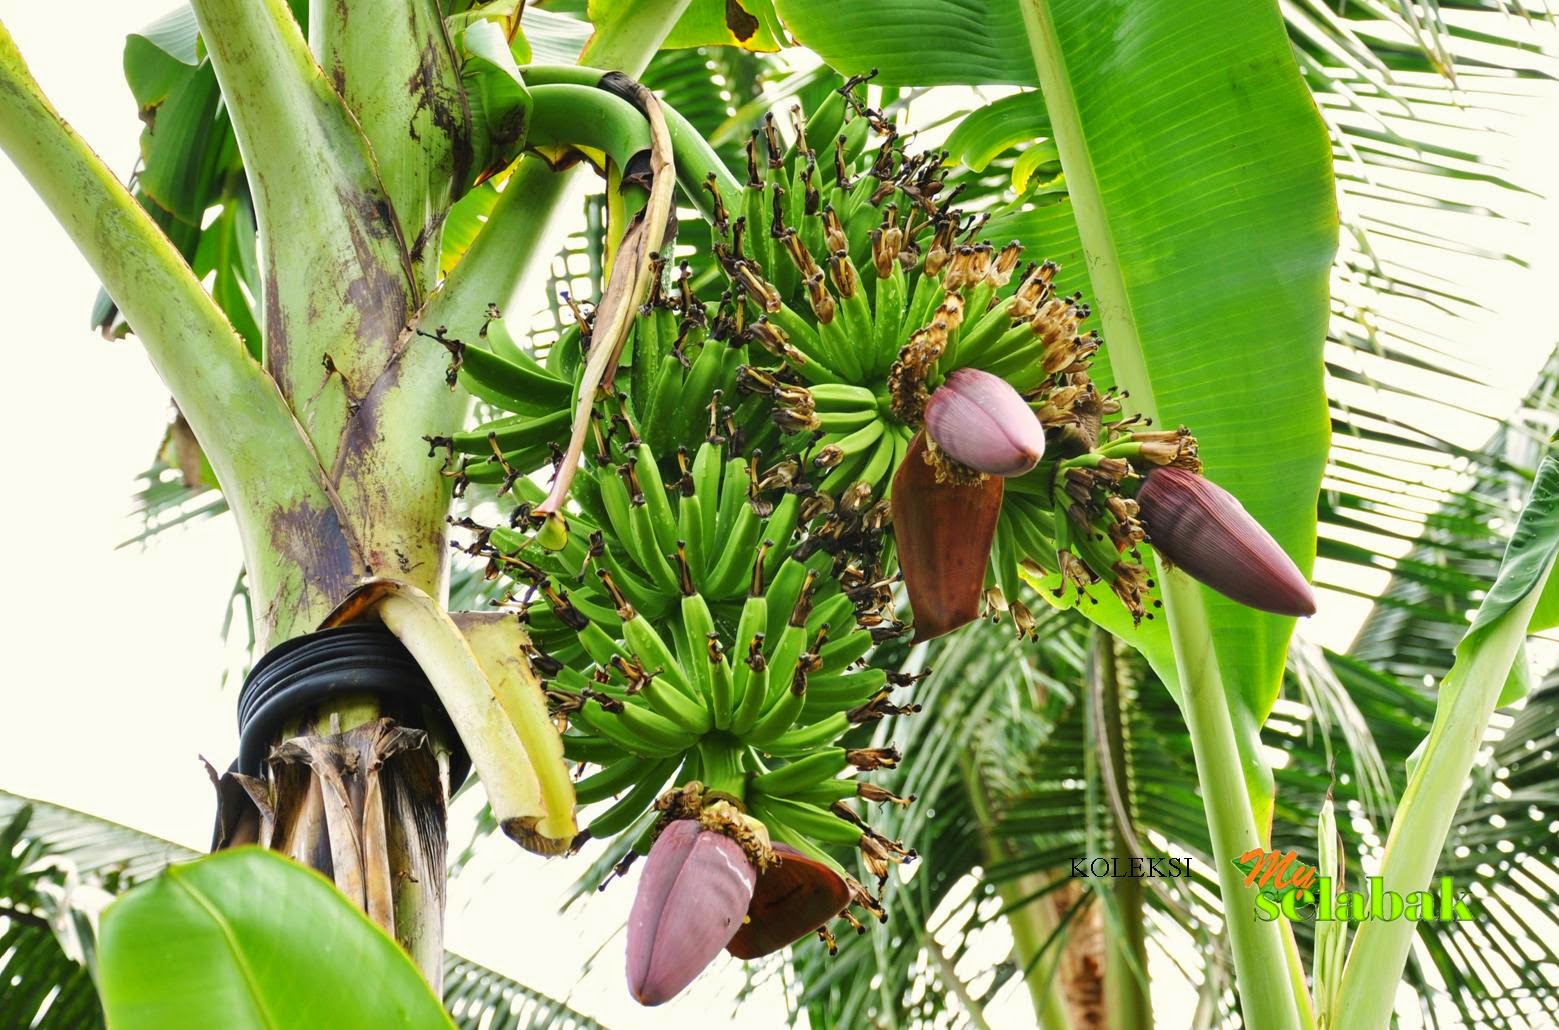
116 654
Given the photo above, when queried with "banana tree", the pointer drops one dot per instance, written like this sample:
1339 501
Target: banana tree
856 384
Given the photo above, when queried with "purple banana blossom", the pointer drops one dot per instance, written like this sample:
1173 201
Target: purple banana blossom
1203 528
981 421
692 897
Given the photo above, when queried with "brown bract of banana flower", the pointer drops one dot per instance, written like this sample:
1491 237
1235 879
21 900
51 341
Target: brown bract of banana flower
1202 528
692 897
793 897
943 531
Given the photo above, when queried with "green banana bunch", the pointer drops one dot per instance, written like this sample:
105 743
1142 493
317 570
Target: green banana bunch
864 290
687 627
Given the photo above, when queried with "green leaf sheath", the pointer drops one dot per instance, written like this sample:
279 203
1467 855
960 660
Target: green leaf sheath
339 286
1439 770
266 465
396 69
217 942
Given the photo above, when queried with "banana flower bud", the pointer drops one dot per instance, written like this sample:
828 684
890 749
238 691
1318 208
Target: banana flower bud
692 897
1203 528
980 420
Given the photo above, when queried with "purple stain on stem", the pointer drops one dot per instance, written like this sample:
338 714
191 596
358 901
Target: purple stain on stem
979 420
1204 529
692 897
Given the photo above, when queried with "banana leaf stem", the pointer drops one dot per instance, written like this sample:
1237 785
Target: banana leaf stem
1261 963
238 415
1437 778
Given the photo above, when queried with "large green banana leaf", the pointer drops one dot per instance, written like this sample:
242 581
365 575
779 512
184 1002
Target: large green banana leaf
217 942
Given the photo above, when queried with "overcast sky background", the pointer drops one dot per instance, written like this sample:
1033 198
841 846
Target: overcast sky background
116 654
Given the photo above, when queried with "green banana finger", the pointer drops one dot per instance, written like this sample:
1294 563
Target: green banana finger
840 696
580 747
614 498
753 696
842 475
655 560
821 360
847 421
611 778
644 364
662 518
784 589
735 563
513 432
823 124
841 397
699 388
840 343
927 295
656 727
751 624
698 626
760 244
690 530
900 448
780 528
858 441
707 468
675 707
735 489
888 320
511 386
623 814
841 652
606 724
501 343
782 713
653 653
722 690
663 412
599 645
805 738
813 822
805 772
782 661
881 463
825 793
643 595
836 611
